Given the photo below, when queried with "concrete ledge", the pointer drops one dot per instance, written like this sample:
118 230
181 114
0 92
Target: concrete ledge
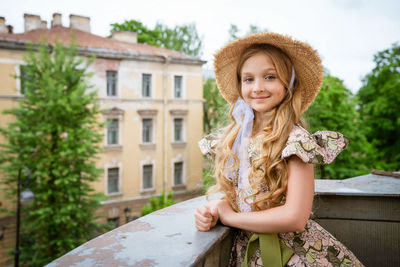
362 212
166 237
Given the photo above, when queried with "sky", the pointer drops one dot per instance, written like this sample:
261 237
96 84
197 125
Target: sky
346 33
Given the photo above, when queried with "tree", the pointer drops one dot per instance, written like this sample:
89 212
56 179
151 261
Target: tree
182 38
380 108
234 31
216 108
56 135
335 109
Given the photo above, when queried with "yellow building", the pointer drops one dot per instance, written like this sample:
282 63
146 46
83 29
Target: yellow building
151 97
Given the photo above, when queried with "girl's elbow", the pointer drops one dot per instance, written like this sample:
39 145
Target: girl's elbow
298 223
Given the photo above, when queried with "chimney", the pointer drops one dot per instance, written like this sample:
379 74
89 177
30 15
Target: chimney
10 29
43 24
56 21
125 36
79 22
3 27
32 22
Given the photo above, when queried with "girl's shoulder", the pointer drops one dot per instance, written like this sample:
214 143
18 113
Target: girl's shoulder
321 147
208 143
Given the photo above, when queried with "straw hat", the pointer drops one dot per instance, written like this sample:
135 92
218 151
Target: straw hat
307 64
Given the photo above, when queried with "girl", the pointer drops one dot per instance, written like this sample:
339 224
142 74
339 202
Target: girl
263 160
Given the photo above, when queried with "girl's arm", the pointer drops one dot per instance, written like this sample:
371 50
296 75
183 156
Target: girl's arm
290 217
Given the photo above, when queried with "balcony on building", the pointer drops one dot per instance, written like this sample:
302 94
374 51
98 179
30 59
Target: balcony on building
362 212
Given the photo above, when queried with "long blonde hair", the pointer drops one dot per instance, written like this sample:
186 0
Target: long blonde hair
268 175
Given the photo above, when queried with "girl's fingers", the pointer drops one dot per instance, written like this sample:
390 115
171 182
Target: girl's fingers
202 226
201 218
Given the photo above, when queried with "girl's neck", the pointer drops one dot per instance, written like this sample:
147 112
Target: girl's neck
260 121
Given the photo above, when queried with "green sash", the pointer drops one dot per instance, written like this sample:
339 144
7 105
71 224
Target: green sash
274 252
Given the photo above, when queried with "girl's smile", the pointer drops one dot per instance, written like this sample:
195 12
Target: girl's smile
260 86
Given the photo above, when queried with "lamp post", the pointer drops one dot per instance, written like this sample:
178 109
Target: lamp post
127 212
26 196
128 216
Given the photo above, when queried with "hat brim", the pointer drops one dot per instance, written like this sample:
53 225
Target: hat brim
306 61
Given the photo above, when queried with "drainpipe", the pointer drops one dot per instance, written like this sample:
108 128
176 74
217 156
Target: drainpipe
165 109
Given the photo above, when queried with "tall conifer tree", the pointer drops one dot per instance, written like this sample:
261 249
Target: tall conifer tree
56 135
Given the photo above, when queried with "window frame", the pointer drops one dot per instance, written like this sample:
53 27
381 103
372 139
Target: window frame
22 77
150 90
116 182
182 139
181 87
178 158
109 122
182 171
112 165
151 135
110 114
112 81
152 162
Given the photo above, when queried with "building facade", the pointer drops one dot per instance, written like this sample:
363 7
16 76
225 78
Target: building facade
152 101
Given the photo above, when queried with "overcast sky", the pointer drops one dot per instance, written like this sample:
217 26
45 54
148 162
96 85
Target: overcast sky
347 33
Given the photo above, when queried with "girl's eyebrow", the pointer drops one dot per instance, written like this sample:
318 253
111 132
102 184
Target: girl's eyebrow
265 70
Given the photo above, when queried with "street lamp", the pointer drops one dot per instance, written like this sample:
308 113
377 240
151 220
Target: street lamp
128 216
26 197
127 212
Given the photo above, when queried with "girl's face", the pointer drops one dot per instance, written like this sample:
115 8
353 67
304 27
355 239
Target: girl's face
260 86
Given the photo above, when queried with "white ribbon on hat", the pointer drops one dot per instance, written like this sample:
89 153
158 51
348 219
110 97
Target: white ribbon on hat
244 116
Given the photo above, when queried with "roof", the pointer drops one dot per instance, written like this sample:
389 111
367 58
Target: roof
91 43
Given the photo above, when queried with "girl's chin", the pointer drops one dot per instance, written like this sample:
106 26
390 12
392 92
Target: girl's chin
262 110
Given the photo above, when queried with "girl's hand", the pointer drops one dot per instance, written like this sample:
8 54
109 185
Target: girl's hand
225 211
206 216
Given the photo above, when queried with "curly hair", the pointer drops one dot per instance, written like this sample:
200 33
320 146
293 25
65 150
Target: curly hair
268 175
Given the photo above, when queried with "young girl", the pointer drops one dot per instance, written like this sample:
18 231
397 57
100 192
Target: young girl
263 160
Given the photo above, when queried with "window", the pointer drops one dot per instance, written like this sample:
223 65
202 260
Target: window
178 173
147 176
113 222
112 184
112 132
178 130
178 86
23 78
111 83
147 130
146 85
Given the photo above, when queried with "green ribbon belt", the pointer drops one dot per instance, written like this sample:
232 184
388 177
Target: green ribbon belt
274 253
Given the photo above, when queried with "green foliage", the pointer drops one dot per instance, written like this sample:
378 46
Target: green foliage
216 108
182 38
380 108
234 32
208 176
335 109
56 135
157 203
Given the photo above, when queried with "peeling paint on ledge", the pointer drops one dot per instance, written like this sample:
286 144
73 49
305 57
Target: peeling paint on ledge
164 238
169 238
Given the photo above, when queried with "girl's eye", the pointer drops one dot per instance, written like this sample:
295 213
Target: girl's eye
248 79
270 77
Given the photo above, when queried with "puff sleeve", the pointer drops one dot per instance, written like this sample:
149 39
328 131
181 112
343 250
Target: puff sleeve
321 147
207 145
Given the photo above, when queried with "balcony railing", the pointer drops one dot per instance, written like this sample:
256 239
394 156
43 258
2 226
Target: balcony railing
363 212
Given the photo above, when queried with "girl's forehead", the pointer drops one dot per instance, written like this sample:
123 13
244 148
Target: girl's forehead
258 60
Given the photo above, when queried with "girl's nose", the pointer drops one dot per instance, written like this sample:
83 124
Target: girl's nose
258 86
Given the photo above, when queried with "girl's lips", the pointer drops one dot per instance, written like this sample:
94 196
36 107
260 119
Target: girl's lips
260 97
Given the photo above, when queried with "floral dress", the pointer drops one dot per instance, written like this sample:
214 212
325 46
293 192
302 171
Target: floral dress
314 246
